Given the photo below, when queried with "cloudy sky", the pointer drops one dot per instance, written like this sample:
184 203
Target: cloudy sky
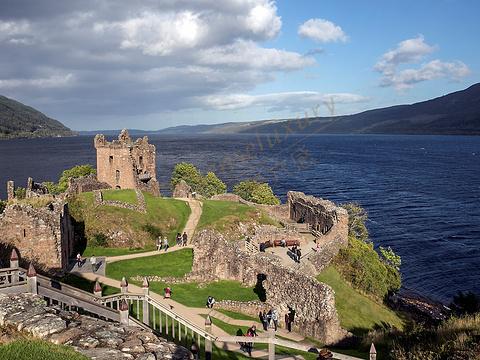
147 64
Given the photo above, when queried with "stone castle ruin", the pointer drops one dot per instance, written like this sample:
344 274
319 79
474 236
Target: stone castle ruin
127 164
39 227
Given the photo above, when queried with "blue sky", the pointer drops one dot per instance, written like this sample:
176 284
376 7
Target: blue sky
154 64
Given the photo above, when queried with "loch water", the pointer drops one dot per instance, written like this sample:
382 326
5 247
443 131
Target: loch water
422 193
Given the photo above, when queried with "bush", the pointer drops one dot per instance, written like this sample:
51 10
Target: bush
465 303
51 187
99 239
3 204
361 265
206 186
74 172
259 193
153 230
20 193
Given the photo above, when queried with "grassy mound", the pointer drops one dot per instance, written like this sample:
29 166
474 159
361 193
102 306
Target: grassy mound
126 195
357 312
225 216
138 231
177 264
38 350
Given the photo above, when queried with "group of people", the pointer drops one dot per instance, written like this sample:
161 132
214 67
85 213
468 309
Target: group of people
181 240
296 253
93 262
162 243
271 318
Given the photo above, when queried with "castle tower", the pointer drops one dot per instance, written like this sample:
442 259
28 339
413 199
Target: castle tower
125 164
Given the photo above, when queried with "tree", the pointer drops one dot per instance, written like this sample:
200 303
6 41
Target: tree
260 193
187 172
212 185
357 216
263 194
389 256
74 172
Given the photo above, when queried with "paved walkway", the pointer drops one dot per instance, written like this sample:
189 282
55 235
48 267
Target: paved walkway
112 259
194 218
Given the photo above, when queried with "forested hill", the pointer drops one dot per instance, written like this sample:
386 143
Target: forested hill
21 121
457 113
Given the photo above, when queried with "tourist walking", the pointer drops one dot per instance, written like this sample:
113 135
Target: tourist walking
178 239
299 255
251 332
159 243
268 318
165 243
275 318
93 262
167 293
263 320
184 239
288 326
79 260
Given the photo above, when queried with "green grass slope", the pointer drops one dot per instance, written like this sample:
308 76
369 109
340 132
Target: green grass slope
38 350
164 216
357 312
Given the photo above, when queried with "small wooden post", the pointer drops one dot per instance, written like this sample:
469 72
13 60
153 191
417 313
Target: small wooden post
145 308
97 289
32 285
373 352
208 342
124 285
271 344
123 308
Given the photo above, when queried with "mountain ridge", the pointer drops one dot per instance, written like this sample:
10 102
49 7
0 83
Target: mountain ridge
18 120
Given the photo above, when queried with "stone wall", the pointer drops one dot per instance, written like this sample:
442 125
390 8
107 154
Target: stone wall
85 184
182 190
94 338
314 302
125 164
140 206
43 235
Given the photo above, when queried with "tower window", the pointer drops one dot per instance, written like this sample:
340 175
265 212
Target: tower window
110 159
117 175
140 161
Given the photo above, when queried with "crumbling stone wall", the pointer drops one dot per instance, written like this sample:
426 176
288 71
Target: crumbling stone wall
314 302
140 206
182 190
85 184
42 235
125 164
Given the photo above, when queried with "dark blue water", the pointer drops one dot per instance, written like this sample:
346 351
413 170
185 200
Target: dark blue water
422 192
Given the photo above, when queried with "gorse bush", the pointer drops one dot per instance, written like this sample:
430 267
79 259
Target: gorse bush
206 186
361 265
254 191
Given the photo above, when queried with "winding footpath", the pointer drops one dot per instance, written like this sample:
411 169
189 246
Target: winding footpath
195 314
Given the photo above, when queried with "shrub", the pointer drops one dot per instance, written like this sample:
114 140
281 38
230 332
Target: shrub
20 193
153 230
466 303
3 204
99 239
74 172
361 265
260 193
207 185
51 187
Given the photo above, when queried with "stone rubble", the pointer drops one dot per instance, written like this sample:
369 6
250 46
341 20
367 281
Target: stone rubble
94 338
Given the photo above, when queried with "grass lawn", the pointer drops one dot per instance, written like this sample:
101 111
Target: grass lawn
126 195
164 216
225 215
236 315
38 350
175 264
357 312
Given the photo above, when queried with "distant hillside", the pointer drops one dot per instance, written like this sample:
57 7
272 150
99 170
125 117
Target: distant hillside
457 113
21 121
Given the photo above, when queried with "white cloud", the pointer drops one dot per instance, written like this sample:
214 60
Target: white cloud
413 51
263 20
322 30
249 54
407 51
298 100
14 31
434 69
54 81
